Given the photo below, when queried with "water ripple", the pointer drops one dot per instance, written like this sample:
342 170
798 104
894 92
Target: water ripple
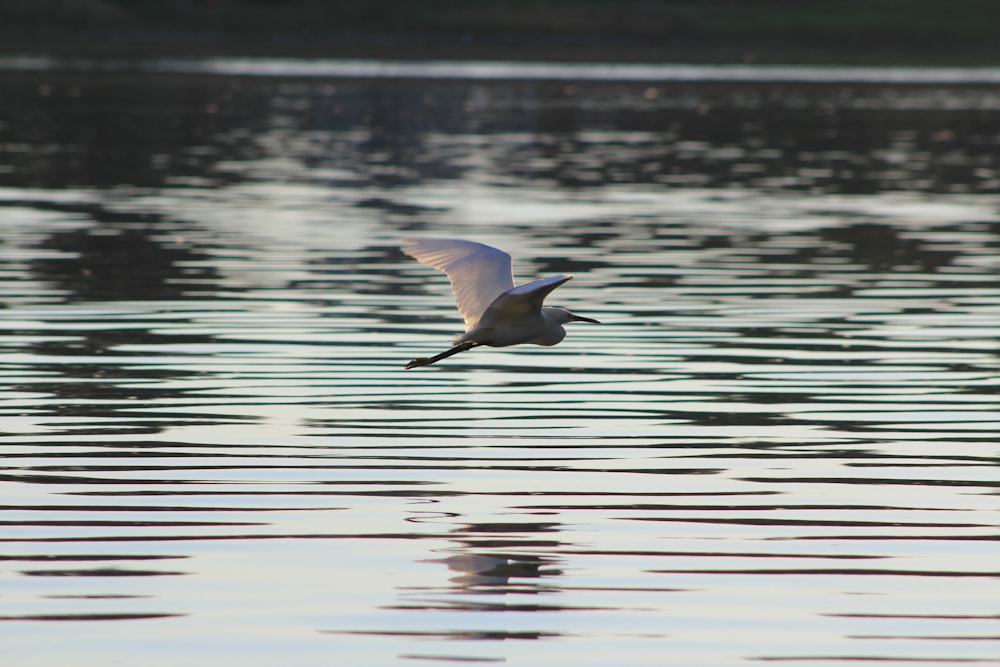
783 435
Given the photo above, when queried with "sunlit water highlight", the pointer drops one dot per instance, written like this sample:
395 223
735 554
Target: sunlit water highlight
781 446
493 70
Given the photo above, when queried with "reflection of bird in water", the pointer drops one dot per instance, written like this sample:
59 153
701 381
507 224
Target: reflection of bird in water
478 569
496 312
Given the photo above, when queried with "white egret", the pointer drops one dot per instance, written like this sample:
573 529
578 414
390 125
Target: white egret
496 312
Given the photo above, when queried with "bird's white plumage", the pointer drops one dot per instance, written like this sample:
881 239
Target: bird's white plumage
496 313
528 298
478 273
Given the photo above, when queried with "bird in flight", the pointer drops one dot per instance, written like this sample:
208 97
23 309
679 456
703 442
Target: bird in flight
496 312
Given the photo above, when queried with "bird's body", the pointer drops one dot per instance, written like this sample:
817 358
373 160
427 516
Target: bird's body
496 313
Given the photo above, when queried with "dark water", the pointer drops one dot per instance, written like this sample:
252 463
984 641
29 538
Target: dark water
781 446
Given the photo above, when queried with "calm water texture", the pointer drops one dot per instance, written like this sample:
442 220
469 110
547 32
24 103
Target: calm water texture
781 445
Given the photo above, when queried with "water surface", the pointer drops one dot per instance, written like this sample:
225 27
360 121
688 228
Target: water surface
780 446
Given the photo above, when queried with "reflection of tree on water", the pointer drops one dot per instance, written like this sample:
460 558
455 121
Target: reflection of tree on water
769 136
124 260
108 130
880 248
89 129
108 264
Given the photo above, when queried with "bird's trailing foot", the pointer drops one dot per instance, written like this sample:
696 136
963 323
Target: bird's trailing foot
427 361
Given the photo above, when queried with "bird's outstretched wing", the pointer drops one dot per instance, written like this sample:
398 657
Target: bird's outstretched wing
527 299
478 272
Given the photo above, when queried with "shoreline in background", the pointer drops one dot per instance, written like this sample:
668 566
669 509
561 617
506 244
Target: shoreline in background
848 32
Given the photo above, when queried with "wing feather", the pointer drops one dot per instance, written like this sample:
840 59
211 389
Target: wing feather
527 299
478 273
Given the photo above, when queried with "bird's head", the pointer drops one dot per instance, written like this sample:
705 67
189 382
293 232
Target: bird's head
563 316
555 318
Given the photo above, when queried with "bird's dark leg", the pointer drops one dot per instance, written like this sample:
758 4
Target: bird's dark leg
427 361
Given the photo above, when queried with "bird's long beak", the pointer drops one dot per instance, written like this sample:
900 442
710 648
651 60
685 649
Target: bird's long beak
573 317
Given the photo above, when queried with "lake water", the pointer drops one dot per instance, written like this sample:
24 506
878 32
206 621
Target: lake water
781 445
